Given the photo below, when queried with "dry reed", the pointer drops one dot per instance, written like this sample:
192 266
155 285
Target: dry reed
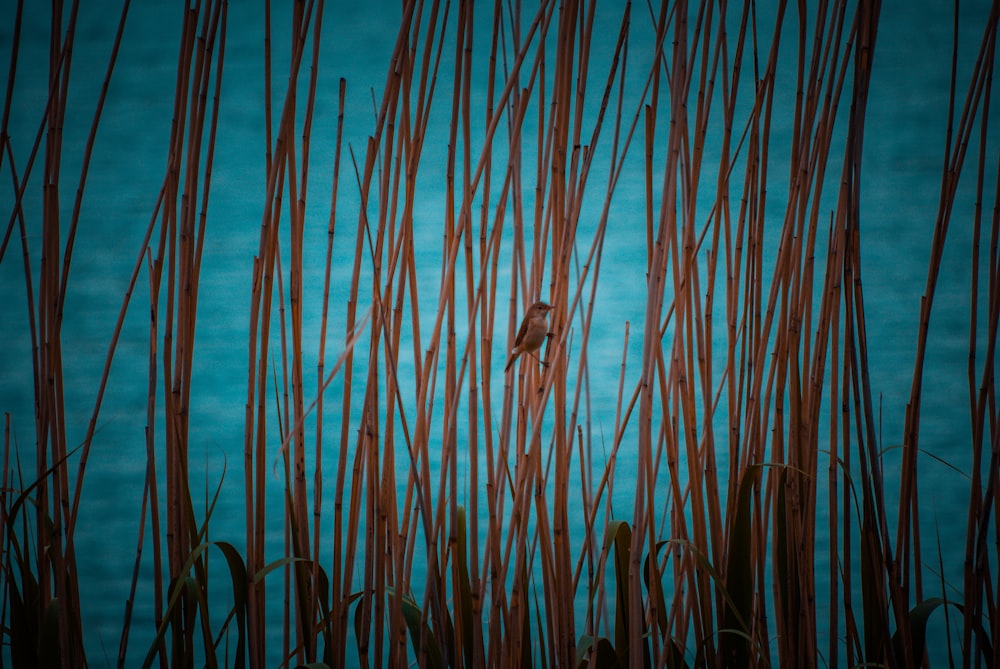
469 518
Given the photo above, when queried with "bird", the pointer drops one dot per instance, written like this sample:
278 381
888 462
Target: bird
532 333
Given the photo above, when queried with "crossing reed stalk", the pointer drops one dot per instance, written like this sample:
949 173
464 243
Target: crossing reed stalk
690 474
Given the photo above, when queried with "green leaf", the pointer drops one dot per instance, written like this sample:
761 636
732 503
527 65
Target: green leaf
23 637
49 655
277 564
323 596
620 535
872 595
780 551
359 632
415 623
238 573
735 648
14 508
706 565
602 657
655 587
918 629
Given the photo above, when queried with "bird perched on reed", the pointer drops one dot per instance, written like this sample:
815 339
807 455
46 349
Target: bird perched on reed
534 329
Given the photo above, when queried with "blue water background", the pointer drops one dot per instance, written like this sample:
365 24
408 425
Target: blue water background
904 144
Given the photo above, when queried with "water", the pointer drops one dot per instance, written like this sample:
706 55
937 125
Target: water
904 146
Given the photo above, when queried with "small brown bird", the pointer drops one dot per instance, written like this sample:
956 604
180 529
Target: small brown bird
534 329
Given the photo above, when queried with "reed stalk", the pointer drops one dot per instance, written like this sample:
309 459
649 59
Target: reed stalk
656 489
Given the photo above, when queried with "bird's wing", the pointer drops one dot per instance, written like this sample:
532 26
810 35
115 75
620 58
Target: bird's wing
520 333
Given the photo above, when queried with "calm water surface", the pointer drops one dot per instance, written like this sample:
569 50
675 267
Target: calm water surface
904 147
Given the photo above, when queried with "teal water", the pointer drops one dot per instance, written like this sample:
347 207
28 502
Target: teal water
904 146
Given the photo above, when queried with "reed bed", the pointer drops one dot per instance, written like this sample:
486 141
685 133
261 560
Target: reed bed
438 512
